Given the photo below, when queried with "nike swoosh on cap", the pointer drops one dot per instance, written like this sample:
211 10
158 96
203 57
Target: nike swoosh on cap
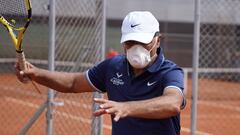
134 25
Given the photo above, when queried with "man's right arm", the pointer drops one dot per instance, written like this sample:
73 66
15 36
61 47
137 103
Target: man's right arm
59 81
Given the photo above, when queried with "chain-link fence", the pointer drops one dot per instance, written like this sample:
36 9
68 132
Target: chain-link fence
79 45
219 67
79 42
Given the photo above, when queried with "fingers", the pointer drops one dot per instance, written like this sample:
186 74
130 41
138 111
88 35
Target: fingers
111 107
118 113
111 111
100 100
22 77
28 65
99 112
117 117
104 103
107 105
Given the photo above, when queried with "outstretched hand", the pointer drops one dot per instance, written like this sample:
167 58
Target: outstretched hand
117 109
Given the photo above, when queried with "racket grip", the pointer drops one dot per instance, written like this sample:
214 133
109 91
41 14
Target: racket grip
22 65
21 59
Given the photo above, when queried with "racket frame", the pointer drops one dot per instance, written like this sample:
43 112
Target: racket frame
17 39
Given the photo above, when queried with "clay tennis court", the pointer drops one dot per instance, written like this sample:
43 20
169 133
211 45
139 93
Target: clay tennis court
218 109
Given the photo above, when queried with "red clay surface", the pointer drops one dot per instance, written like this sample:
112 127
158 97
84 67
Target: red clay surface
218 109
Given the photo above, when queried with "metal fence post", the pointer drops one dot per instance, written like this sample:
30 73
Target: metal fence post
51 57
195 66
97 123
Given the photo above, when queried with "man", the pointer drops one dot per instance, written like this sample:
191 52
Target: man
145 91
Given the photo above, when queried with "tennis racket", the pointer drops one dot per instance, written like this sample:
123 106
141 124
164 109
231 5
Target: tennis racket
16 15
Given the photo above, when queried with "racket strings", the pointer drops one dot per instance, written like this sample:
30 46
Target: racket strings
14 11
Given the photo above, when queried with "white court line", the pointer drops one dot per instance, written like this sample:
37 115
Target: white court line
36 106
74 103
78 118
218 105
27 92
34 94
200 116
64 114
21 102
197 132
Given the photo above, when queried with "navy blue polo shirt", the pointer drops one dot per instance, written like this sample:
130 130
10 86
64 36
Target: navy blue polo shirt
115 77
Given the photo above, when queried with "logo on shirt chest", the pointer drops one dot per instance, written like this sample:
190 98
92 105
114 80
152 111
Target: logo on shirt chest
117 80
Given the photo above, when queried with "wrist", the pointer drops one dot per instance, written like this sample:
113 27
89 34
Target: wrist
35 72
129 108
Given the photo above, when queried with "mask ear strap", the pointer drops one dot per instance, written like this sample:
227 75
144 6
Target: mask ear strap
152 47
151 50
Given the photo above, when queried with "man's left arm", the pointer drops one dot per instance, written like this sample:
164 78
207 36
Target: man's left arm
165 106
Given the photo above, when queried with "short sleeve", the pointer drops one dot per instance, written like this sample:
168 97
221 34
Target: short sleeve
175 78
97 76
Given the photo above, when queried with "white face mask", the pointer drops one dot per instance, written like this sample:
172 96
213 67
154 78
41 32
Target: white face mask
138 56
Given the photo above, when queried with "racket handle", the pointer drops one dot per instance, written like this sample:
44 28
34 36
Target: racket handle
22 64
21 59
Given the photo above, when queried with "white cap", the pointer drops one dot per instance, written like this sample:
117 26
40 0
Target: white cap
139 26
